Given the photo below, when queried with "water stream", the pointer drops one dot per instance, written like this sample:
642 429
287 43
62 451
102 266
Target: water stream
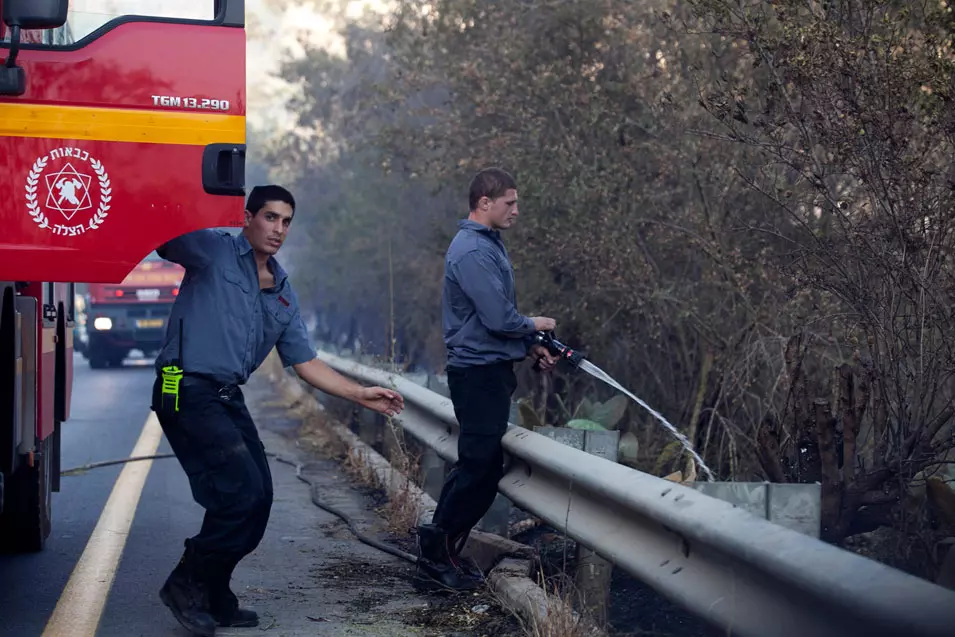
600 374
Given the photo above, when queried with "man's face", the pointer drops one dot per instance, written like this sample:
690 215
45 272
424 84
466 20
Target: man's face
501 212
267 229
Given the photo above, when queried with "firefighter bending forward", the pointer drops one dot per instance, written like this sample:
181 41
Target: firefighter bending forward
235 305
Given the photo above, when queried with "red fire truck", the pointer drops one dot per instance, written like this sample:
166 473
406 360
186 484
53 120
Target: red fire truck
131 314
122 125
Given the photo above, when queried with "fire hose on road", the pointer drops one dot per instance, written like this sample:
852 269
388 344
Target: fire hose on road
325 506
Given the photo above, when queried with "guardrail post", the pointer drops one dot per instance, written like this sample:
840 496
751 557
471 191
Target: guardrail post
592 576
594 572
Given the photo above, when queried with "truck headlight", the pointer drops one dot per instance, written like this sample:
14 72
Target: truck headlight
103 323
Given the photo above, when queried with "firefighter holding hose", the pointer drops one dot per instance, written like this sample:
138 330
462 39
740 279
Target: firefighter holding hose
485 335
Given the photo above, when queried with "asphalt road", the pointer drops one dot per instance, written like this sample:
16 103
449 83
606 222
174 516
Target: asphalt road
109 409
288 579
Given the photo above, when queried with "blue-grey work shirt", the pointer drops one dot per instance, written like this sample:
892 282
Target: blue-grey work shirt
479 303
229 324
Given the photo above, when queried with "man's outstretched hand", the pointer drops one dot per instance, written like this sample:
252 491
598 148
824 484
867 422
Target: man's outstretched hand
384 401
324 378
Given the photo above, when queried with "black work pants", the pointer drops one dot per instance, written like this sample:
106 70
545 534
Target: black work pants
218 446
481 395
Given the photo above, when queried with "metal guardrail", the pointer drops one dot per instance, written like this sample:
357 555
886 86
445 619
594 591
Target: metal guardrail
742 573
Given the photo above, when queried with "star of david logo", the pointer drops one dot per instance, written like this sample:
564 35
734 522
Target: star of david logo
68 191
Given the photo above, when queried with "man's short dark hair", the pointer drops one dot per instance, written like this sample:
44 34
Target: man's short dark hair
491 183
261 195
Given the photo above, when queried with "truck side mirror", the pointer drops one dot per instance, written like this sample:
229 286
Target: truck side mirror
30 15
35 14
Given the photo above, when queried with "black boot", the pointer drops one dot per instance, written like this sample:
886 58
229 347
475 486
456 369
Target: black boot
436 570
187 596
223 604
467 565
226 612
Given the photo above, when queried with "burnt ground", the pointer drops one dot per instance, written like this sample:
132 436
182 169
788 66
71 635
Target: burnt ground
462 615
635 609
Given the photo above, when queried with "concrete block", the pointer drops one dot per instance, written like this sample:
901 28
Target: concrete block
564 435
603 444
536 608
487 549
796 506
749 496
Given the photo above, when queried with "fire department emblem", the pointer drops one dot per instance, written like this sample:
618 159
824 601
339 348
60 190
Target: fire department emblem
68 192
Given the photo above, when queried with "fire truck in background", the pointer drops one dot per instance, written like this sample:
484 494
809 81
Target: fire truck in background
122 125
131 314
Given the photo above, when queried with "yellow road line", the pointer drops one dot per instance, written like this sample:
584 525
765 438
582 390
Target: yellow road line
120 124
78 612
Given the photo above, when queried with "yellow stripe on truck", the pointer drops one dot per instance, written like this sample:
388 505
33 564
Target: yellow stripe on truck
120 124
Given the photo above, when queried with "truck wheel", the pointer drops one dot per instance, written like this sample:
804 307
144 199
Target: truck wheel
26 520
98 360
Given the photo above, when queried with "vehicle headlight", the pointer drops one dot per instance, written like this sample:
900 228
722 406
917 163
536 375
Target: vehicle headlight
103 323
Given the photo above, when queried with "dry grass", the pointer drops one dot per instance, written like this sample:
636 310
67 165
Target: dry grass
357 467
560 620
402 508
316 436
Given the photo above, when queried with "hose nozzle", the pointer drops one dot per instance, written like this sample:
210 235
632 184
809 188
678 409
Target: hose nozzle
558 349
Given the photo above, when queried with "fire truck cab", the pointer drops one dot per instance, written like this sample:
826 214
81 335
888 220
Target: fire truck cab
122 125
